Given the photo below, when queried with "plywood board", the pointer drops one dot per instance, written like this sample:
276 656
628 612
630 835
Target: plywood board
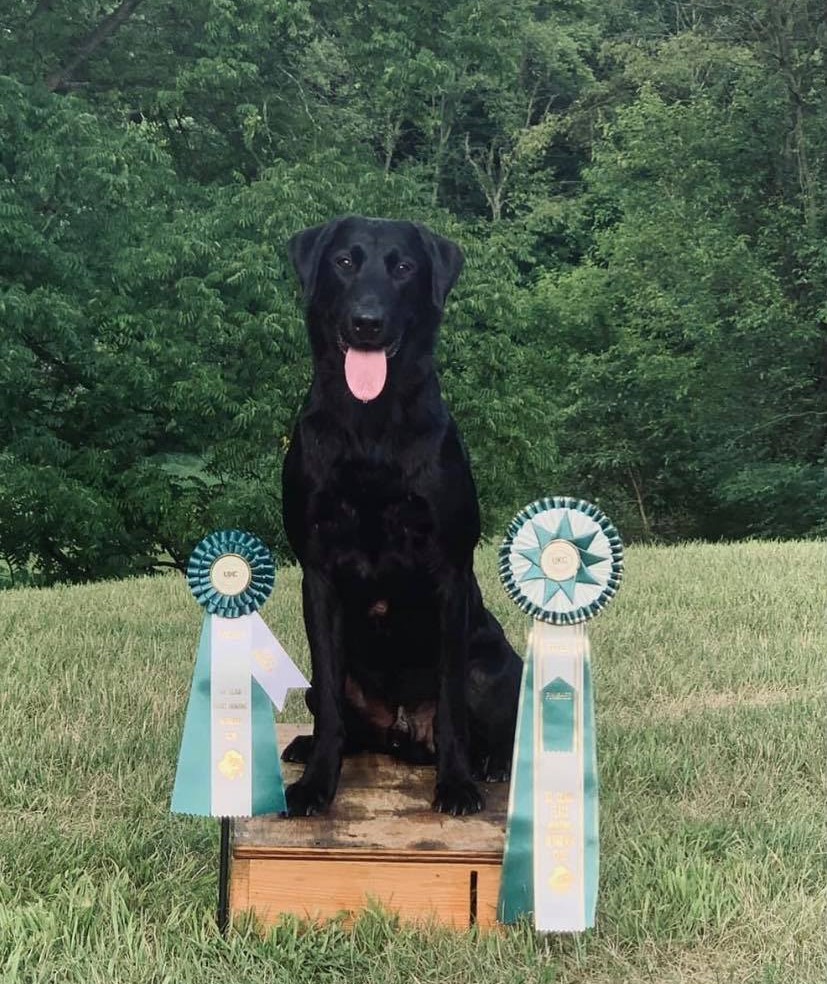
381 805
452 894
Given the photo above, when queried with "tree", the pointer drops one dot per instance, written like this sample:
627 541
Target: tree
639 188
692 369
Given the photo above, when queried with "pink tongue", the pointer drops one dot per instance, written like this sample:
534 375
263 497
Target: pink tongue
365 373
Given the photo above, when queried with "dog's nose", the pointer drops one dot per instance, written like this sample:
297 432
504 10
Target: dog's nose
367 325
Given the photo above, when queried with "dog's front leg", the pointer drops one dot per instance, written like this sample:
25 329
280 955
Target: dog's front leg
456 792
323 622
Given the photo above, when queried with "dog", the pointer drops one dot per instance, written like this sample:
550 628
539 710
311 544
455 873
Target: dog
381 510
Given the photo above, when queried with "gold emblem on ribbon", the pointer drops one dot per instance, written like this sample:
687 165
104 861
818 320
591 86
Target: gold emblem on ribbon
560 880
231 765
265 658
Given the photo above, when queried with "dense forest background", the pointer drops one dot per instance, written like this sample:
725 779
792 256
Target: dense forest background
639 187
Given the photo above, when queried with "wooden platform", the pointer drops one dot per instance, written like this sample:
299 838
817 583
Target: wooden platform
380 842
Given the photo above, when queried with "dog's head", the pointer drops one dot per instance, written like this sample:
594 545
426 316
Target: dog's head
375 290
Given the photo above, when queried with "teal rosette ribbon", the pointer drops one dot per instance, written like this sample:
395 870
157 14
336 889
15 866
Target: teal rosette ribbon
226 588
561 562
228 765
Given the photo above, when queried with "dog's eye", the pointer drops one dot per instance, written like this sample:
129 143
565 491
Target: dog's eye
403 268
344 262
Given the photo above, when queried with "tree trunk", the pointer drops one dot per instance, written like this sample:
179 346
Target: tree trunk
43 7
647 528
445 130
390 139
492 178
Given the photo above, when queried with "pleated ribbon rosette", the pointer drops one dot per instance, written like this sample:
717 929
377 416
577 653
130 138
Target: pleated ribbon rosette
229 765
561 562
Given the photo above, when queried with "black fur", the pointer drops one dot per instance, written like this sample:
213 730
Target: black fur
381 510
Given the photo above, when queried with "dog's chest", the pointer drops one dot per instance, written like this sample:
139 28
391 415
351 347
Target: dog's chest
369 516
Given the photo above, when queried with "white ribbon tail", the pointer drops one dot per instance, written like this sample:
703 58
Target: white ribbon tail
231 732
559 848
270 665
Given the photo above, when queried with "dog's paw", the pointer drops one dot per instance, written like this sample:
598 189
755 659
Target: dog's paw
492 768
459 797
306 799
298 750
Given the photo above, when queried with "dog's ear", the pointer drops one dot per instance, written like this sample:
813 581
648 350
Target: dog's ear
446 263
305 249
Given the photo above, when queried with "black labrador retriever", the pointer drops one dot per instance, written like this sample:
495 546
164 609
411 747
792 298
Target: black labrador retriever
381 510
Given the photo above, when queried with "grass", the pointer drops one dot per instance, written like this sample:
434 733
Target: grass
708 670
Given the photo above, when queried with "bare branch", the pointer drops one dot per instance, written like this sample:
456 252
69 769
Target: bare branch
108 26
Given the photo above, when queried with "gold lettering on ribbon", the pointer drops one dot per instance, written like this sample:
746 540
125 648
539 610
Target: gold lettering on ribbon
559 837
556 648
550 798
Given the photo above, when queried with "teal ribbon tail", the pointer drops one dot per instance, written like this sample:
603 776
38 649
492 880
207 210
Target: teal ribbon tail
591 842
192 791
268 783
517 885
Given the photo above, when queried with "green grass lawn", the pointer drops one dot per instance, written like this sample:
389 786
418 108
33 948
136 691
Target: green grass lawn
708 671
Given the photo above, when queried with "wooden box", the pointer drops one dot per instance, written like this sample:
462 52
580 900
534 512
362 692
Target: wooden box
380 842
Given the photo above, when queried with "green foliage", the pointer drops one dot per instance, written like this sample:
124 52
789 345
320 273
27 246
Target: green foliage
639 189
700 377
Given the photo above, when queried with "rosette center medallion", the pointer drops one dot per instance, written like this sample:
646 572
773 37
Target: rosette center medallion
560 560
231 574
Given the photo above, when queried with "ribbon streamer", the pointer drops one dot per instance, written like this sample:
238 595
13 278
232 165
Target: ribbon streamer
561 561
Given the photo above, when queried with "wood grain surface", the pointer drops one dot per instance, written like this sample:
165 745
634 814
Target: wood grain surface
381 805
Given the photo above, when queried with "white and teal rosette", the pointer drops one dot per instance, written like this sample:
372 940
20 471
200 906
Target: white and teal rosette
561 562
228 765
